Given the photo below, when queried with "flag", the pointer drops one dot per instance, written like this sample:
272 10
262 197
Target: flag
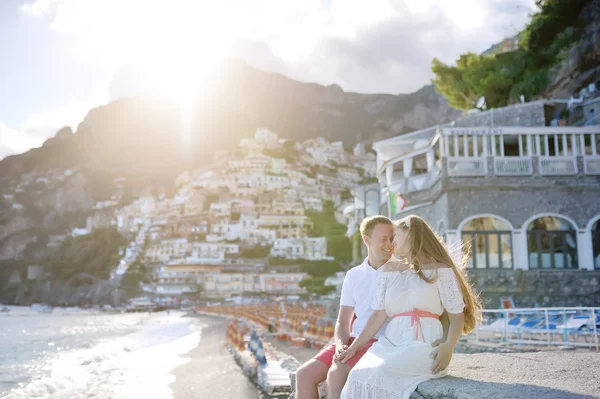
397 202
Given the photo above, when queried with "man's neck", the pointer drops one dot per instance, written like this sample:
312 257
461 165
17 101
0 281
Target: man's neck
375 263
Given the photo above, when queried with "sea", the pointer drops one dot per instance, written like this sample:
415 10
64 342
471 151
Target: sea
74 353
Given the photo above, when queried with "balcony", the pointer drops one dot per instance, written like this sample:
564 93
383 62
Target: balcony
557 166
467 166
591 165
513 166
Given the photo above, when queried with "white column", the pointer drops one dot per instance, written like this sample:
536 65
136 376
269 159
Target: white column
430 159
389 174
585 252
485 146
407 166
519 250
443 145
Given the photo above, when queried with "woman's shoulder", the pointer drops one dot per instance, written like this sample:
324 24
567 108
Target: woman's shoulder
437 268
393 266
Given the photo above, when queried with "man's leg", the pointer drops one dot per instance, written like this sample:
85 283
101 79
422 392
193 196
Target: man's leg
336 378
308 378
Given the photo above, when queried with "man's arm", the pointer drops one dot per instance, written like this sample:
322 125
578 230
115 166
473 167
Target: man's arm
342 326
345 314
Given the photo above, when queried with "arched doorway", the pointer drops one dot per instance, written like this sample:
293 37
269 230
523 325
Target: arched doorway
552 243
490 241
595 230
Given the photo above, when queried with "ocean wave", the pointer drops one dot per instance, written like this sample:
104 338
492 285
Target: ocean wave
11 311
136 365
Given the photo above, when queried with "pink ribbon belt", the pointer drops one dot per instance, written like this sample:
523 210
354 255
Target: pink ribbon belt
415 318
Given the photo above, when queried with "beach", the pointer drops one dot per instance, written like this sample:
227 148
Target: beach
211 371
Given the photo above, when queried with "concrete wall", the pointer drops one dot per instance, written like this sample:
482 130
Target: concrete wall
528 114
518 205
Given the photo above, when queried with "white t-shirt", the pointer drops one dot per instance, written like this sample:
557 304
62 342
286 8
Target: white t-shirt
357 292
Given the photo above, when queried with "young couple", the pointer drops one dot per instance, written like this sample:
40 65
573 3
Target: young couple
410 314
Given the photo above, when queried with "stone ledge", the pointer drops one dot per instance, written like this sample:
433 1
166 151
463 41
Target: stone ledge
552 375
557 374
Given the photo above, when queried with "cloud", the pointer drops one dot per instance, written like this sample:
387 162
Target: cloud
393 52
39 126
382 45
14 142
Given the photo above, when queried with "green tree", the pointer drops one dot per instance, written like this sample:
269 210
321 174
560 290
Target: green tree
316 286
325 225
450 83
322 268
504 77
135 274
95 254
472 77
255 252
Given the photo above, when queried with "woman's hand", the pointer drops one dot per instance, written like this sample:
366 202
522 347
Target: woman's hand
442 355
347 354
339 349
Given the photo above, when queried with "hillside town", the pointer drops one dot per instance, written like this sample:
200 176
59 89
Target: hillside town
238 225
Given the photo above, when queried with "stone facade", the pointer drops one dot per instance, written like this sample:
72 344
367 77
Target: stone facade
544 288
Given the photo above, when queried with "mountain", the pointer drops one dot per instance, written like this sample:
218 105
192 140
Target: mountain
148 134
137 146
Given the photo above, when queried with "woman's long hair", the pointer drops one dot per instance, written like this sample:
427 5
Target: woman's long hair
425 244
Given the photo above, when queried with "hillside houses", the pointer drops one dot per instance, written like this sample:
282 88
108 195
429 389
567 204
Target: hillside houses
258 200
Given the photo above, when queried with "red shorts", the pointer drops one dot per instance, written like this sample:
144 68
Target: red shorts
326 354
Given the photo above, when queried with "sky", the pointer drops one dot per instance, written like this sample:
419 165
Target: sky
60 58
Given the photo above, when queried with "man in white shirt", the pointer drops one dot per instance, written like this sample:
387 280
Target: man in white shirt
357 294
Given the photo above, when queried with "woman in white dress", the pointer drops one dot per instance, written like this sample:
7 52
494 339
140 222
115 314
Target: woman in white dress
413 294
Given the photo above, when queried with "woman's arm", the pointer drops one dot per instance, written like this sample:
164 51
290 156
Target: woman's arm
445 320
445 326
378 317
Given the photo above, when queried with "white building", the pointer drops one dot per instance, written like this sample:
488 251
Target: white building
167 249
220 210
309 248
284 283
212 251
224 285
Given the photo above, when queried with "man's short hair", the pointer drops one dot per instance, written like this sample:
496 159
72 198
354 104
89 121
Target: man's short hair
369 223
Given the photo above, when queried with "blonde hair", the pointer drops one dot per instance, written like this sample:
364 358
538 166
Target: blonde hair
369 223
425 243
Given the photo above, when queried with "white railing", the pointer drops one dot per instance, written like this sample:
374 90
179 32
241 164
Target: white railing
513 166
591 165
573 326
467 167
557 165
418 183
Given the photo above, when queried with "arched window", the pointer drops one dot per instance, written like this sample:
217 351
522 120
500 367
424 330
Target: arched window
596 243
490 242
551 243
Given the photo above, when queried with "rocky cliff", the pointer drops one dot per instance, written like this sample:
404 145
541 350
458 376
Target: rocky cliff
581 63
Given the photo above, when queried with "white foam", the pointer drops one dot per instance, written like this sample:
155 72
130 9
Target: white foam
133 366
43 310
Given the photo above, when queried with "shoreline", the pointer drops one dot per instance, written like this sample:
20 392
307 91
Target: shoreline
210 370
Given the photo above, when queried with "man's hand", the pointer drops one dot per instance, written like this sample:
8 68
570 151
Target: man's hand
347 354
442 355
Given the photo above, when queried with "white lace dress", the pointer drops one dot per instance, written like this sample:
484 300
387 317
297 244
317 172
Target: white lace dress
396 364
